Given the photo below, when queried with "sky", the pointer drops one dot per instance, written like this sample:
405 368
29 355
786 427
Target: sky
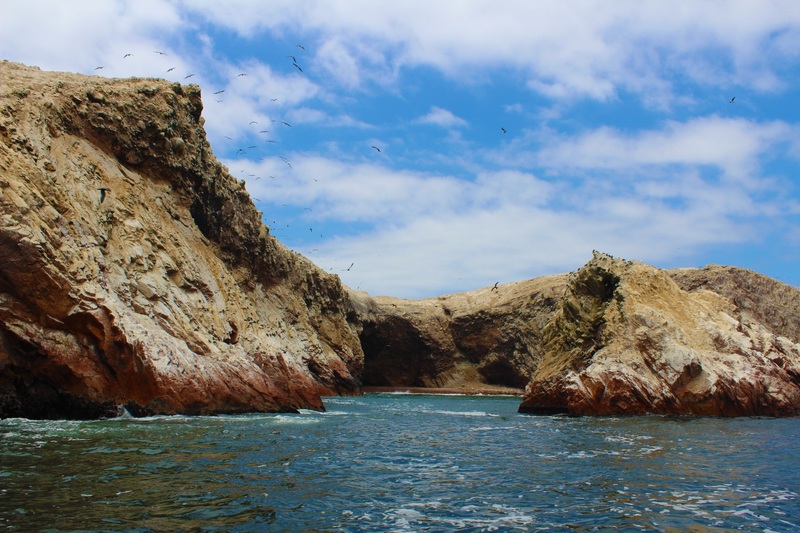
417 149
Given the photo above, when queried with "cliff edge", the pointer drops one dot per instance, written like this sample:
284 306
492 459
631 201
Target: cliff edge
135 270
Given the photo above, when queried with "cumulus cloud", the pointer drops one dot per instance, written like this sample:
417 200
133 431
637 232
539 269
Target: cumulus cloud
441 117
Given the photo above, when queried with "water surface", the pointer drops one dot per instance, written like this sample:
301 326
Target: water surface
389 462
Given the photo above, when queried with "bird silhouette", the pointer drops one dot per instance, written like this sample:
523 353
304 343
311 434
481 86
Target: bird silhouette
376 148
126 55
731 100
503 130
297 67
189 76
220 92
170 69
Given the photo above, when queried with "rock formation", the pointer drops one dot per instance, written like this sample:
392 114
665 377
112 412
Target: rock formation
489 338
135 270
627 339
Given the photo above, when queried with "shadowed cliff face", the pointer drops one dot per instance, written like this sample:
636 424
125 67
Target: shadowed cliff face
628 340
485 338
135 270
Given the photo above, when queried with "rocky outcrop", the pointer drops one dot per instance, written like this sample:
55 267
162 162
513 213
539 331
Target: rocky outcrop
627 339
135 270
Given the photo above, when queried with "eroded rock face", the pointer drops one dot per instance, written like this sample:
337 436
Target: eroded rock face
135 270
489 337
627 339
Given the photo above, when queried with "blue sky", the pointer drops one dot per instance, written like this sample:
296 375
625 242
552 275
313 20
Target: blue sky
513 138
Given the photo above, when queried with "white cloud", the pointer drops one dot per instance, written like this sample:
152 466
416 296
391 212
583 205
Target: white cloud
428 234
441 117
730 145
589 49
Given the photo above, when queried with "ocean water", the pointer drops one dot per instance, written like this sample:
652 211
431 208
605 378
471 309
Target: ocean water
393 462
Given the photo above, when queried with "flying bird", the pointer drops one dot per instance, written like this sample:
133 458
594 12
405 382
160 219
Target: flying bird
170 69
253 122
126 55
301 47
242 74
348 268
495 286
294 60
286 124
297 67
99 68
189 76
376 148
220 92
103 191
503 130
731 100
160 53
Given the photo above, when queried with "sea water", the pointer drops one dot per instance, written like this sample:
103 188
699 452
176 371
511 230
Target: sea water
393 462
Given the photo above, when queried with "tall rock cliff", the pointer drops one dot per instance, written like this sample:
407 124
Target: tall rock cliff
135 270
628 339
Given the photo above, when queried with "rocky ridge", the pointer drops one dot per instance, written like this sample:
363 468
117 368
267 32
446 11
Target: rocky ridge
627 339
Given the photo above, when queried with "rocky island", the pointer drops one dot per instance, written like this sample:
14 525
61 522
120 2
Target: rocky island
136 271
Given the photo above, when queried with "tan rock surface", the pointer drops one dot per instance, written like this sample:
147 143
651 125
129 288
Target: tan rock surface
627 339
166 293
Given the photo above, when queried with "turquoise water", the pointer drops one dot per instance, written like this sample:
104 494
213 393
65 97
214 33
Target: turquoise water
388 462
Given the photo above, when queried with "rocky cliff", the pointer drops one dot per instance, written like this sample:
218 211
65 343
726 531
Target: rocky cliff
628 339
135 270
489 338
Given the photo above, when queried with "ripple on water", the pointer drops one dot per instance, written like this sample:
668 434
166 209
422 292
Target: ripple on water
403 463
